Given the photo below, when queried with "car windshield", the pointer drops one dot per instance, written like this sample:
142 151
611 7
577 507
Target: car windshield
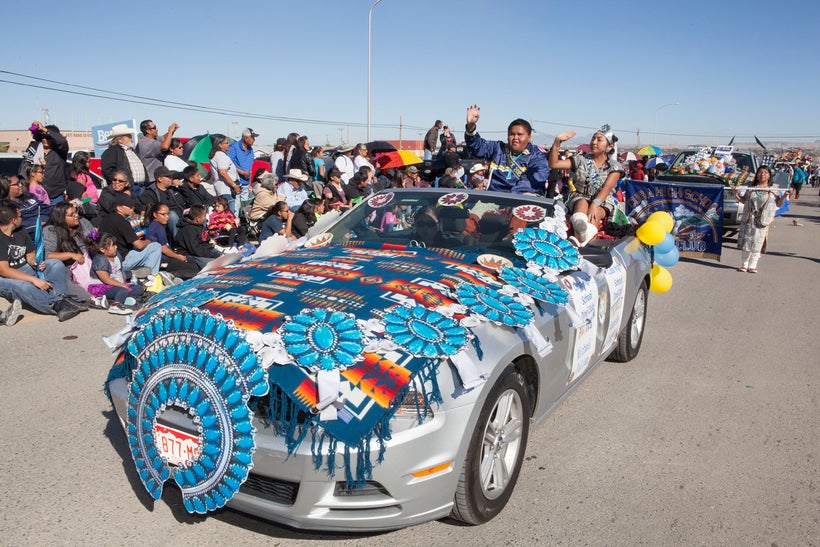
473 221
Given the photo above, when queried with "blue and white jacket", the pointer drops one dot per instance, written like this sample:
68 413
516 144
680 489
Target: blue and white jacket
516 173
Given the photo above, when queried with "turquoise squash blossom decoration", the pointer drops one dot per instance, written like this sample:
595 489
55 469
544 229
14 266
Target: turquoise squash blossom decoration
189 294
494 305
535 286
424 332
323 339
546 249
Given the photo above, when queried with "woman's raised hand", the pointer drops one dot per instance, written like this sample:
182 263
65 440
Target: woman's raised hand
565 136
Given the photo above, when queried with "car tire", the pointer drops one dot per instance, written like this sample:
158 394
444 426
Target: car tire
629 341
496 451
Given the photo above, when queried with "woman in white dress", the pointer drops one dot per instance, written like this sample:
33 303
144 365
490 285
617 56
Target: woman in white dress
759 207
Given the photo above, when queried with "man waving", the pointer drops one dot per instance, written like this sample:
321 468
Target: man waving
517 166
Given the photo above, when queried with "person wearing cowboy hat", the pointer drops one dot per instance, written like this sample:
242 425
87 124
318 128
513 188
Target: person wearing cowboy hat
595 174
293 188
477 179
120 156
345 163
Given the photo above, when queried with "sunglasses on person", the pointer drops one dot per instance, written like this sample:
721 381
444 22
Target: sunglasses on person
119 180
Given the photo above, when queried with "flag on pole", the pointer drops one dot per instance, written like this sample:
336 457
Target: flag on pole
39 246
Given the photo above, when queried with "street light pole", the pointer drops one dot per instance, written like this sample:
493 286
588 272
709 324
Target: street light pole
369 19
655 134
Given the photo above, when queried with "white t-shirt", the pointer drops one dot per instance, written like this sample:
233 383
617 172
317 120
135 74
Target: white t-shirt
345 165
174 163
222 161
360 161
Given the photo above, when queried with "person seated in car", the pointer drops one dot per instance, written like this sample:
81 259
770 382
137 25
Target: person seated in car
595 174
519 166
427 230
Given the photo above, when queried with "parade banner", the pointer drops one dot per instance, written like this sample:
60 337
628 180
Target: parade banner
696 208
100 134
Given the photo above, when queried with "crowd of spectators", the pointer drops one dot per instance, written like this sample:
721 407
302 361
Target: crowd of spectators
67 244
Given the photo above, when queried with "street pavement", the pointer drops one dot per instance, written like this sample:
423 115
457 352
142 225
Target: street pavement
711 436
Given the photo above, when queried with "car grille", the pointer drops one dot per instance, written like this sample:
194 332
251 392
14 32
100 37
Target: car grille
275 490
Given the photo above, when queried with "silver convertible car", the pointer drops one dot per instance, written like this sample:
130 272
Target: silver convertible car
384 372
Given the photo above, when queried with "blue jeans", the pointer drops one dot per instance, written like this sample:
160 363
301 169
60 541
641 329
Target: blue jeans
428 155
173 222
28 293
241 197
149 257
119 294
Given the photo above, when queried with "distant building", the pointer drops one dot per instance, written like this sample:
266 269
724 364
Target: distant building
17 140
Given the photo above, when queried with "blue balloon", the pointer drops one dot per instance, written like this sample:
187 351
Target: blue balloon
667 260
666 245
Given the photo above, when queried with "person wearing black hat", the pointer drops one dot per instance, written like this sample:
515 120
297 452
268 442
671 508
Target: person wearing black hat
135 250
164 190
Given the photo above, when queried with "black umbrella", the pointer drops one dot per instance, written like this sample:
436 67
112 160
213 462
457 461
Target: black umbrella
380 146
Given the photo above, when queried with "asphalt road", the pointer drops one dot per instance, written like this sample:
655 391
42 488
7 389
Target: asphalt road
710 437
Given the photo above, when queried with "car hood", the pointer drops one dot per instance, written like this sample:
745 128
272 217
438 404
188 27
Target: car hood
365 282
259 295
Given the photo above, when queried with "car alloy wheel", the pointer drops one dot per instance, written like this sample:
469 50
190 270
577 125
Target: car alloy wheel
496 451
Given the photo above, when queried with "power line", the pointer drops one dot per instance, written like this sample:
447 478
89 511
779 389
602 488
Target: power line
152 101
164 103
628 131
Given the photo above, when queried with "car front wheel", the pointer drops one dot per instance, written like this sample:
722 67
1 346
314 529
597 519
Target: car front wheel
495 453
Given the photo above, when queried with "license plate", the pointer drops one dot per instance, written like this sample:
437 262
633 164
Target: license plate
176 446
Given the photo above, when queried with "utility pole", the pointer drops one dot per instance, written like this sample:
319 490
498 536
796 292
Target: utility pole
639 139
341 136
400 147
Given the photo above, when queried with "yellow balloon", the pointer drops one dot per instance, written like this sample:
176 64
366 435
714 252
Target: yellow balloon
664 219
661 279
650 233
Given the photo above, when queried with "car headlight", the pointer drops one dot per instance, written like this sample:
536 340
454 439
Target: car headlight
414 409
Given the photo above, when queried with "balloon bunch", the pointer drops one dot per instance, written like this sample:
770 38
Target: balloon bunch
656 232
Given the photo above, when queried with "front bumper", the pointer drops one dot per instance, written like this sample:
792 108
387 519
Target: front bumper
289 490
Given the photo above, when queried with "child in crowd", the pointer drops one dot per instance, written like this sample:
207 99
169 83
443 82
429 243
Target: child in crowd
223 223
192 237
173 263
107 270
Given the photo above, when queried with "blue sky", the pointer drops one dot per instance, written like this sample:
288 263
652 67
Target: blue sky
735 67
